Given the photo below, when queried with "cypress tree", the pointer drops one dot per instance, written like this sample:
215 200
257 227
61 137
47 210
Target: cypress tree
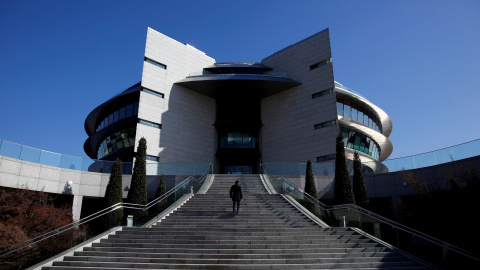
342 190
161 190
138 188
359 185
310 186
114 195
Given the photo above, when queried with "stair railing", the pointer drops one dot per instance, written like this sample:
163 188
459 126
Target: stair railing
427 248
189 185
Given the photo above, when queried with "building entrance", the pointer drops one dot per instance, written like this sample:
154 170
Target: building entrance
233 169
238 124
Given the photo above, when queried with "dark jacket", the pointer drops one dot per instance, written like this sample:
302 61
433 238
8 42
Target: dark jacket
236 193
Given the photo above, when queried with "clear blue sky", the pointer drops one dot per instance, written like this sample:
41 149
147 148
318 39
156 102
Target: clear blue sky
417 60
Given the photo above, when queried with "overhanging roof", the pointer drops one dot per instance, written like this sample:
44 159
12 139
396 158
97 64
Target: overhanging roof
261 85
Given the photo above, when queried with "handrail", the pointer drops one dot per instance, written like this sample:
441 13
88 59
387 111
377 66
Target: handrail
121 205
375 216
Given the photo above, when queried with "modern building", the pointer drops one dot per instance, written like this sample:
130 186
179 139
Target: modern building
286 108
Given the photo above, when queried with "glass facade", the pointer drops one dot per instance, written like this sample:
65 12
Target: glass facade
122 113
238 140
360 142
116 141
350 108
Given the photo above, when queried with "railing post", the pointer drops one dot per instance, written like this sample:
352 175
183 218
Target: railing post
341 222
130 221
191 189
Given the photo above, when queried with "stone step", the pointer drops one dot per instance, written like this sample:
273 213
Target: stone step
182 260
218 265
305 254
270 250
235 242
234 246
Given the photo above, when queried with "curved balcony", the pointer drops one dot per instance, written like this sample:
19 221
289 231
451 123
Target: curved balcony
386 146
385 121
116 102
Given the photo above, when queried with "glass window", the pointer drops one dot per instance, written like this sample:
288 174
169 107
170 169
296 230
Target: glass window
237 140
150 124
110 119
116 141
152 158
153 92
156 63
347 110
354 112
247 141
129 110
135 108
339 108
116 116
121 113
360 116
357 142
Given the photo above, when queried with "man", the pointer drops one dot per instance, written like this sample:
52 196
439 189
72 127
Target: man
236 195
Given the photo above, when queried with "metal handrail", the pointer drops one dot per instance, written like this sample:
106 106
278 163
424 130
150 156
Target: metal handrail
121 205
368 213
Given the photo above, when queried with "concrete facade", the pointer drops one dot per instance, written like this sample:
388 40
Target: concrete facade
288 134
180 111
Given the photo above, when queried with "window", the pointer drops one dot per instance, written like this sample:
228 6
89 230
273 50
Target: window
322 63
238 140
361 142
116 141
325 158
129 111
322 93
350 108
148 60
339 108
150 124
325 124
152 158
153 92
120 114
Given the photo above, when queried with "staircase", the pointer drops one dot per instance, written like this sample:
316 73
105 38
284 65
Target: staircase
268 233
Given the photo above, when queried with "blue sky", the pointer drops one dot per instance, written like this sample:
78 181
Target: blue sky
417 60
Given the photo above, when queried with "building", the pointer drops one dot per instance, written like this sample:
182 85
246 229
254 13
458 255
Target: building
286 108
